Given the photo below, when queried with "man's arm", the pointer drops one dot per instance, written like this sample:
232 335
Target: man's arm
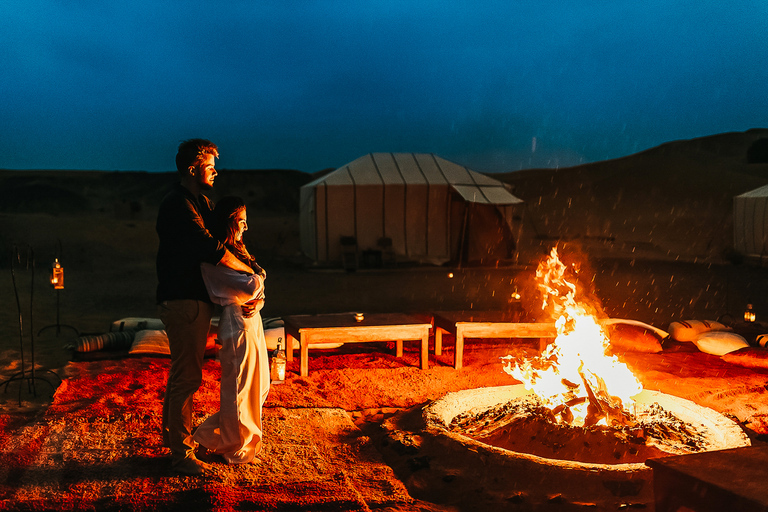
229 260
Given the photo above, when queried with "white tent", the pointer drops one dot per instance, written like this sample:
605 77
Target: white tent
419 206
750 222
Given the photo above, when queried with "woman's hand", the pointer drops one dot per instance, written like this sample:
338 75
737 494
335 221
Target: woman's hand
249 308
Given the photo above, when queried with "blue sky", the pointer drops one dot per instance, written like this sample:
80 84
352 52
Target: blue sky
493 85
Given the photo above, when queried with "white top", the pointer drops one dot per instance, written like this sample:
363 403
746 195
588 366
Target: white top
226 286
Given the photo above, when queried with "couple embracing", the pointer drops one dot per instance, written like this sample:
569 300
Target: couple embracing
202 261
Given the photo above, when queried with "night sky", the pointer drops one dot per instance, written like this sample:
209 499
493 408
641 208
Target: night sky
309 85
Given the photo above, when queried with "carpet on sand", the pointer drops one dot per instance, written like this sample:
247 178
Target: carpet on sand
98 445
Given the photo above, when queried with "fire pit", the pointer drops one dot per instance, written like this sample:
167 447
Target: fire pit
578 429
573 480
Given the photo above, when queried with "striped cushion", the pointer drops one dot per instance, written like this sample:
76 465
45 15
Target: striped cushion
688 330
109 341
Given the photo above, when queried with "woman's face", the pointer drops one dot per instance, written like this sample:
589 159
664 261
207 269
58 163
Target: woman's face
241 224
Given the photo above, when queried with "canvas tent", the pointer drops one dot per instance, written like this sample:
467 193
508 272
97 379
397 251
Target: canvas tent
418 206
750 222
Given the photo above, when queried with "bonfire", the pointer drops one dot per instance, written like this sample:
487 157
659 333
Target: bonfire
574 377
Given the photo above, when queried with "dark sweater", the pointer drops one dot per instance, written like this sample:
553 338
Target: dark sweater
184 244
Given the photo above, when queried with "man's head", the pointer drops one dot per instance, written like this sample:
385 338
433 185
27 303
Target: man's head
195 163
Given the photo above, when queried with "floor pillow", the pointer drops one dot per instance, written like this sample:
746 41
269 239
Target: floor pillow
688 330
719 343
633 336
137 324
751 357
109 341
154 342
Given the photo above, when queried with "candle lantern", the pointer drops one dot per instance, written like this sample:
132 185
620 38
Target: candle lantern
749 314
279 363
57 275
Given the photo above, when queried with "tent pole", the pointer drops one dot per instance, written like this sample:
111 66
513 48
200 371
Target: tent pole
463 237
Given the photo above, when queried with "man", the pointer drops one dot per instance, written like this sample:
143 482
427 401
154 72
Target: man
184 305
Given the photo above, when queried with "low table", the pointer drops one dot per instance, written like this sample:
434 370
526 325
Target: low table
732 480
485 324
344 328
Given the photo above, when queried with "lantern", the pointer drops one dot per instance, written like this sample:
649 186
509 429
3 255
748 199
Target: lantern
279 362
57 275
749 315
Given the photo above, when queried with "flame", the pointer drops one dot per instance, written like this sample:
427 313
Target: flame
574 377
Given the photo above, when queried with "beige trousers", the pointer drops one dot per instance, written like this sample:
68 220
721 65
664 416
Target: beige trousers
187 323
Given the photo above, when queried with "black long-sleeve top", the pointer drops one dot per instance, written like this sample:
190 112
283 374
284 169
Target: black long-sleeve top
184 244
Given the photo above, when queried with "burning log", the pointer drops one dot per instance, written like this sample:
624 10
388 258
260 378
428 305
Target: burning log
602 405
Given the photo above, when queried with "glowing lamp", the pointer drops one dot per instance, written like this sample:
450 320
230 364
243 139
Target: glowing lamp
749 315
450 275
57 275
279 362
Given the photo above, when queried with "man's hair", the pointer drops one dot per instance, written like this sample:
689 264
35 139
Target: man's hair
192 152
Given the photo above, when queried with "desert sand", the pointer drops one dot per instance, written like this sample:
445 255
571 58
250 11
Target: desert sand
652 231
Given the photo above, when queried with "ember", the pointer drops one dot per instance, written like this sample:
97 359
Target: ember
525 424
573 377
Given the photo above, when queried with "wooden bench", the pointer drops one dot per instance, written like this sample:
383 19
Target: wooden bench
485 324
732 480
345 328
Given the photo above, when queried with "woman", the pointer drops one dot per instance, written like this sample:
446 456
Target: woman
235 431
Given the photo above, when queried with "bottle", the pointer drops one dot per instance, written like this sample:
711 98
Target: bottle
277 369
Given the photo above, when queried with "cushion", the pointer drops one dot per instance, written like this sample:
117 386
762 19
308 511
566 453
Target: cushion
633 336
109 341
751 357
137 324
155 342
688 330
151 342
719 343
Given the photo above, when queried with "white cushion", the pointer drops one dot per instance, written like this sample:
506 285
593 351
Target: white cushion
719 343
137 324
151 341
687 330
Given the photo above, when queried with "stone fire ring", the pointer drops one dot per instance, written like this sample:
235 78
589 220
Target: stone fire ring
572 480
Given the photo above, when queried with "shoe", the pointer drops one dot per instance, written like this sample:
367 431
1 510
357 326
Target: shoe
204 455
191 466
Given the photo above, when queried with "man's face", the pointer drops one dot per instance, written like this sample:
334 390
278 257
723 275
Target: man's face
205 172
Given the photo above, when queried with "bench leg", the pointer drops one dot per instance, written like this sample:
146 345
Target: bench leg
425 351
458 354
399 348
438 341
289 342
304 358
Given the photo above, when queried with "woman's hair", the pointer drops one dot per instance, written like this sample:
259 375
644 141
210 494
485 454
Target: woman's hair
225 227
